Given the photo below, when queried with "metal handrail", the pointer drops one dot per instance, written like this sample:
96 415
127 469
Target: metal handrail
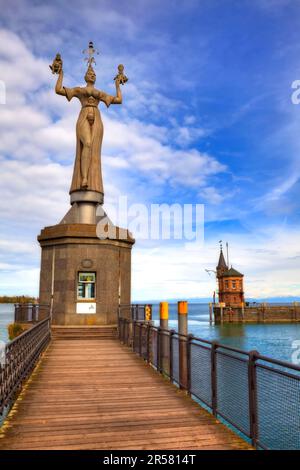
147 343
20 357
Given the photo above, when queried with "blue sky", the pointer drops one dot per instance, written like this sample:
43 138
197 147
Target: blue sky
207 118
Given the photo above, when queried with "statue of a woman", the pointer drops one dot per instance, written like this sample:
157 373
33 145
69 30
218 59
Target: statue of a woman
89 130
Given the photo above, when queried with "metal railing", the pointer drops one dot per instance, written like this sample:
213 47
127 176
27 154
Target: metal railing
18 359
257 396
138 312
31 313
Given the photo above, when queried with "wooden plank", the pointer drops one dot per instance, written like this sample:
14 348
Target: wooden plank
97 394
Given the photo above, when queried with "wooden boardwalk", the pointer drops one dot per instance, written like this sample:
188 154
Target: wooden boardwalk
96 394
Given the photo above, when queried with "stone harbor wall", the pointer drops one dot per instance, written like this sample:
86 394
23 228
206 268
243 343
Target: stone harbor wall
257 314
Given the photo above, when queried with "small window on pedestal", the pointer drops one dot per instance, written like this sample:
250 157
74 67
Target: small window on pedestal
86 286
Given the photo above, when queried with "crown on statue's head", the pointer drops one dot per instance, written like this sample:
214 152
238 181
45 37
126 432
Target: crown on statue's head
90 69
90 52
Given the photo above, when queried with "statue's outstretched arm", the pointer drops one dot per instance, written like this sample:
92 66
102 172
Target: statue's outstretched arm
59 89
118 98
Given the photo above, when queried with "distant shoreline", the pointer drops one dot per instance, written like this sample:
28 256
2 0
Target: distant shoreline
17 299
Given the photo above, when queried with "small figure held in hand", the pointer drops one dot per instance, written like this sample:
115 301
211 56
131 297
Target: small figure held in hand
121 77
57 63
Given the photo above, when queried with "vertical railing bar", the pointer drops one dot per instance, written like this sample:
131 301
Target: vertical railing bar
172 332
214 398
134 333
148 343
140 339
189 366
158 349
252 386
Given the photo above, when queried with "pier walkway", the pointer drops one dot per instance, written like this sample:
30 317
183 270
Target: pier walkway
97 394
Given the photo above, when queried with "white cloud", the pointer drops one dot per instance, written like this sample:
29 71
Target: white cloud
212 195
158 161
21 281
20 69
33 193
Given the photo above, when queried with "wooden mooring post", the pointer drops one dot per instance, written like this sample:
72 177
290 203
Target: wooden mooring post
164 337
183 344
210 313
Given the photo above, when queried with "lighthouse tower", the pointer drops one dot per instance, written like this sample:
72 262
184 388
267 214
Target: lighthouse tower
230 282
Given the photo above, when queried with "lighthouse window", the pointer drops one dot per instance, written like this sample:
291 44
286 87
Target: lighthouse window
86 285
233 284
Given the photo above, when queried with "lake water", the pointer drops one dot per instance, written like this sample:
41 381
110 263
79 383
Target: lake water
6 317
275 340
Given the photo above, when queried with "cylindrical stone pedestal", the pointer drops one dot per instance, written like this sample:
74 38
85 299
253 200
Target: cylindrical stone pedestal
87 203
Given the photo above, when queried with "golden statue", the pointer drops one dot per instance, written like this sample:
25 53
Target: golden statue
87 175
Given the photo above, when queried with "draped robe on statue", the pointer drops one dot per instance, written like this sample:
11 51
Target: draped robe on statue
89 102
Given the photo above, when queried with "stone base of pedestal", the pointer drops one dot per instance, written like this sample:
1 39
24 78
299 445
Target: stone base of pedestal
69 250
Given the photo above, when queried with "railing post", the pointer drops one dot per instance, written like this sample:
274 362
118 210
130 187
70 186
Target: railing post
189 364
252 384
132 312
182 331
29 312
128 329
34 313
17 312
214 397
148 342
158 350
124 330
172 332
140 338
134 333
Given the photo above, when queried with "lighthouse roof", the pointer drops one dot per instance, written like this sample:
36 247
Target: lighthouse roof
232 273
222 263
